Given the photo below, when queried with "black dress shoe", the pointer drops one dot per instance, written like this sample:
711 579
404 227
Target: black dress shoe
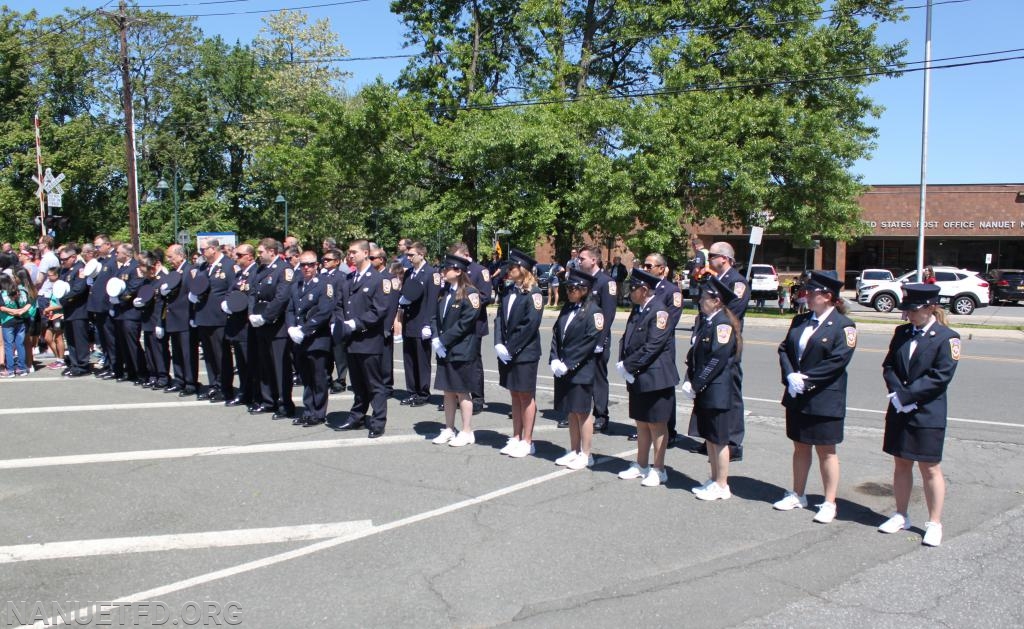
283 413
337 387
701 448
173 388
148 384
160 384
440 406
407 401
420 401
563 423
76 374
314 421
373 434
601 424
109 376
101 373
235 401
216 396
187 391
298 421
478 407
633 437
351 424
260 409
735 453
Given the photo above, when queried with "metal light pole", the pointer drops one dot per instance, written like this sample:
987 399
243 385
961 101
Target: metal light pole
924 139
280 199
162 186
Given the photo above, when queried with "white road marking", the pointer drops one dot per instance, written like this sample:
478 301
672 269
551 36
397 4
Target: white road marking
182 541
878 412
183 453
157 592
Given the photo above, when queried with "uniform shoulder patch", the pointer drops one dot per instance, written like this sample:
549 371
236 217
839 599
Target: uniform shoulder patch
538 301
437 279
613 289
486 275
677 300
724 332
739 288
851 336
395 285
289 274
954 348
599 321
386 285
661 319
474 300
330 290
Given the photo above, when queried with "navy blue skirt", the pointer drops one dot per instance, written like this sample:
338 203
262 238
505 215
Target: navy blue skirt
519 377
455 377
815 430
573 398
911 442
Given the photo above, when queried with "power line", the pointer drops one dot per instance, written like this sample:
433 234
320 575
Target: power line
60 29
258 11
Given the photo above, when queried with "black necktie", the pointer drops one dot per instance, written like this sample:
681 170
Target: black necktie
813 323
916 332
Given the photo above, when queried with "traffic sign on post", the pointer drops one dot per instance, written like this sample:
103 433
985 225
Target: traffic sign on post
183 237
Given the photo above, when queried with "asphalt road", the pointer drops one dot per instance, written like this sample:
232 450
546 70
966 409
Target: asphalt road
313 527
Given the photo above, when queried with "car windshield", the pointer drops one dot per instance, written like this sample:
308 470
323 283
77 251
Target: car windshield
877 275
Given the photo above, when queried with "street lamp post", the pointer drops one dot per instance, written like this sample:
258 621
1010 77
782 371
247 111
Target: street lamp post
280 199
162 187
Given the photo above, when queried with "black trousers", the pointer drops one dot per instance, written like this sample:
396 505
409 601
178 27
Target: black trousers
313 371
129 349
416 359
369 390
77 331
217 356
242 350
389 363
339 360
478 366
157 358
601 385
106 337
184 359
274 364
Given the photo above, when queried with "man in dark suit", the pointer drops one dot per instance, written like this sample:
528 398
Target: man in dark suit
99 307
419 297
333 272
309 318
127 319
236 329
178 315
271 295
359 316
605 294
75 310
379 260
210 320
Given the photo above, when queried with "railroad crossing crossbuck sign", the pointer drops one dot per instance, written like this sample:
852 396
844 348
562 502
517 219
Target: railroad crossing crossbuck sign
51 186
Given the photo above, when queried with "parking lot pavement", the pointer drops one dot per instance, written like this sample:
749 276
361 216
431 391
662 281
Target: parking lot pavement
197 504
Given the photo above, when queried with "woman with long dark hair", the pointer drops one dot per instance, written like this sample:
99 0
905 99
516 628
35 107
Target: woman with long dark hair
922 359
455 343
713 382
813 358
517 345
14 308
575 336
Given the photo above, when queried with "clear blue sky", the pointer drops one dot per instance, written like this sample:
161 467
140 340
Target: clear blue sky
976 132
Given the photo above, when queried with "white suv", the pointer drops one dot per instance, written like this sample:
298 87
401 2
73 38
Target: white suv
960 290
764 282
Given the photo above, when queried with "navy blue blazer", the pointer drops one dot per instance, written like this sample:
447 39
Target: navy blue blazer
421 289
712 366
366 303
575 346
179 310
518 329
74 305
828 352
310 308
207 310
647 348
457 327
924 378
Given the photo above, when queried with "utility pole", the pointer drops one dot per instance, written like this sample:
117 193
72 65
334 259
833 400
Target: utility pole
121 18
39 179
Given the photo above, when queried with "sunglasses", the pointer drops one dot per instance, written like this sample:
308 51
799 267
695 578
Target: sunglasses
330 259
376 257
307 264
712 256
650 266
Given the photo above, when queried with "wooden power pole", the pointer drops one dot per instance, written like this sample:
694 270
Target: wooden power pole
121 18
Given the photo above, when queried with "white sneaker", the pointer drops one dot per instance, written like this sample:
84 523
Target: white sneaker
826 513
633 472
513 443
791 501
566 458
464 438
581 461
714 491
703 486
523 449
446 435
654 477
932 534
896 522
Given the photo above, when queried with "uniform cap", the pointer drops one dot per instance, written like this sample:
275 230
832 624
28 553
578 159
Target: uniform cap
516 256
822 282
145 294
237 301
452 261
171 281
199 284
61 288
92 268
579 278
115 286
640 277
714 287
917 296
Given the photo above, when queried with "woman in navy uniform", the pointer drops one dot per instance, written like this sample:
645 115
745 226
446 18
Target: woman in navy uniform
151 308
309 327
713 382
454 341
517 344
813 358
577 333
647 364
922 359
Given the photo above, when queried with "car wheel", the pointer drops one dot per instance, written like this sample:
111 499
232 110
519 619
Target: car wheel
963 305
884 302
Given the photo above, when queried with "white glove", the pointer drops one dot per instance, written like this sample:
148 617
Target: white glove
439 348
224 307
256 320
559 368
165 290
193 298
425 333
895 401
332 329
402 301
158 332
599 349
792 392
688 390
137 302
796 382
89 281
295 332
112 312
620 367
502 353
909 408
114 299
192 323
351 325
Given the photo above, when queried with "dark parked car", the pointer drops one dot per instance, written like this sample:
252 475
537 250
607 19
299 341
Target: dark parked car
1006 285
541 271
